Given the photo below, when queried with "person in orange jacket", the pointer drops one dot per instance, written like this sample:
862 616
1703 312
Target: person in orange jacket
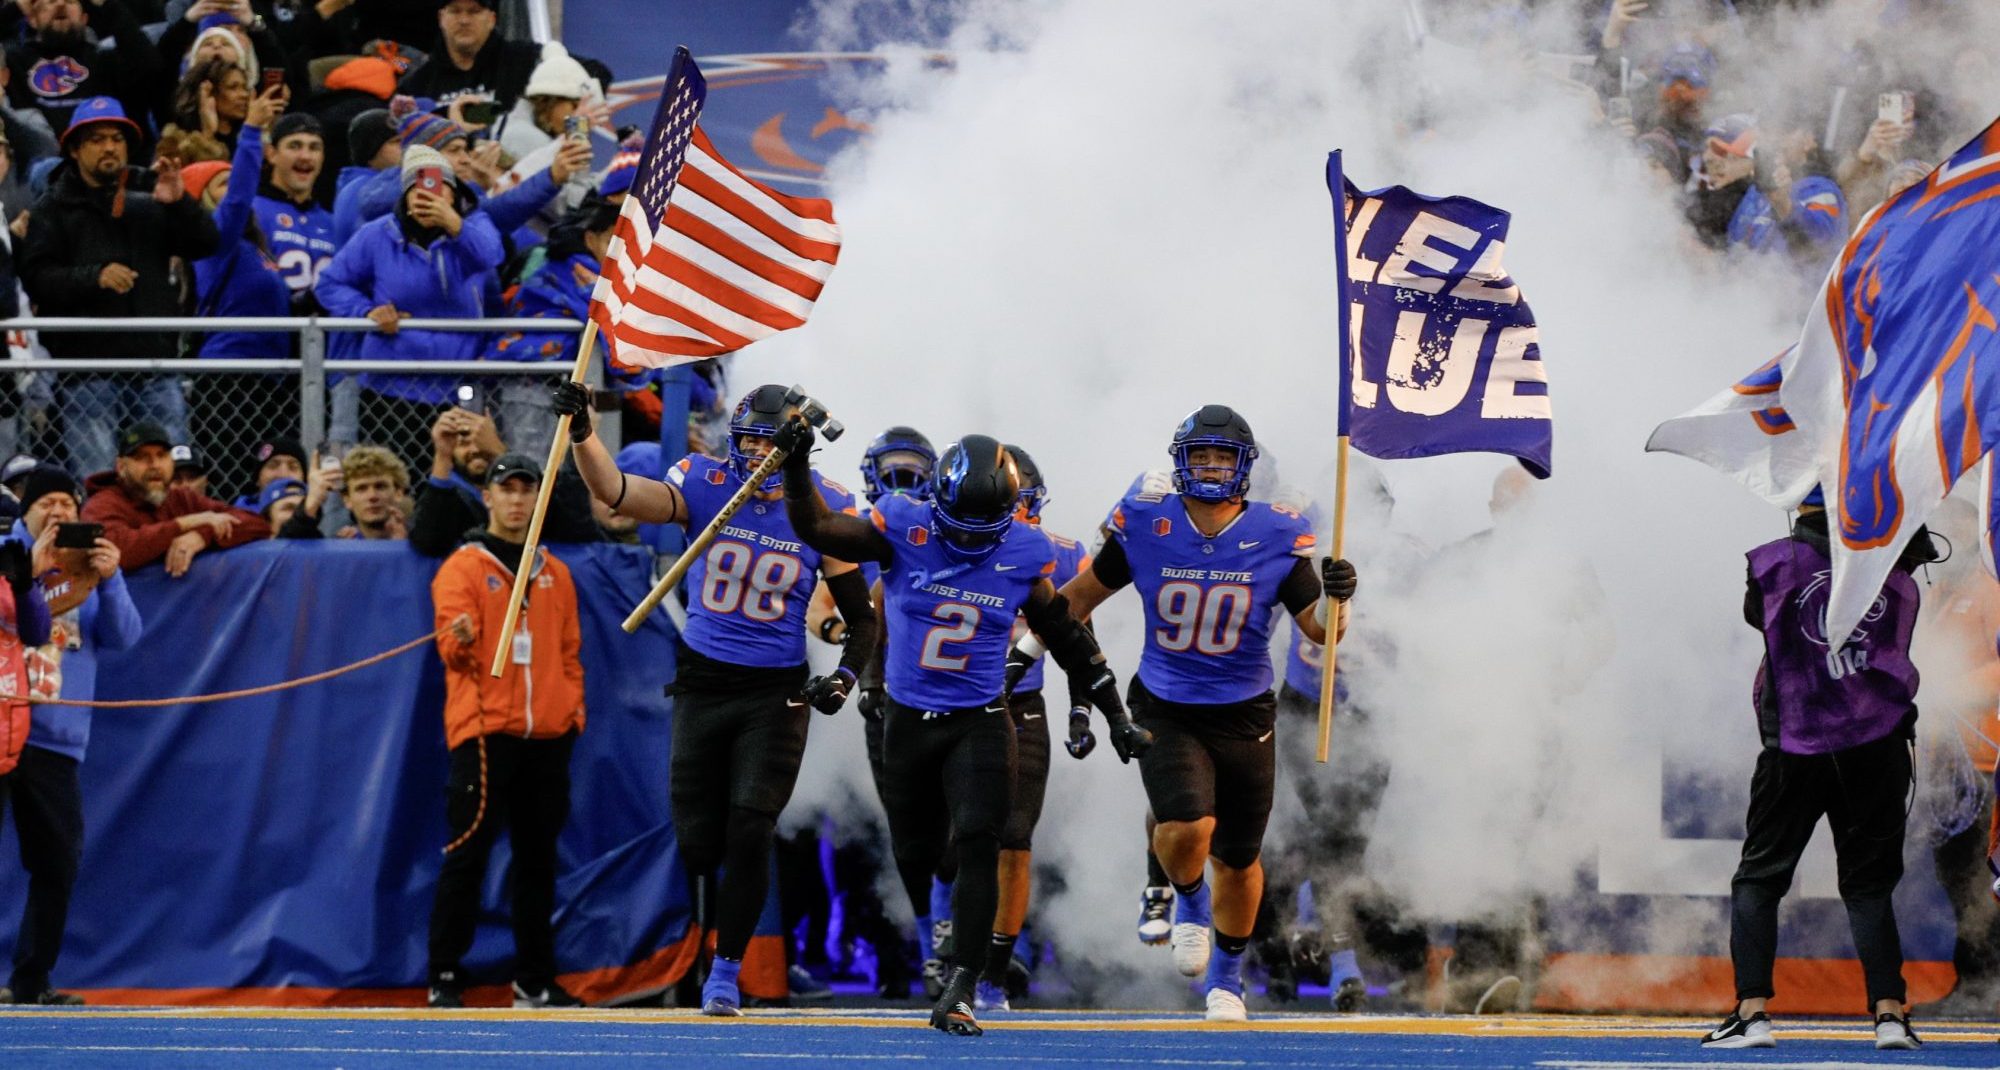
510 737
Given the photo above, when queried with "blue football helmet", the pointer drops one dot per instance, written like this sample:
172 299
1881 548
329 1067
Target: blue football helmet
1218 426
899 461
1034 491
761 412
973 498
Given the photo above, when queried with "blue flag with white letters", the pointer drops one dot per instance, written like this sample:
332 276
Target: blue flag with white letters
1443 355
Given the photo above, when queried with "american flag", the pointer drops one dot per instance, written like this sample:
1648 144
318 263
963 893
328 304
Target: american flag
705 261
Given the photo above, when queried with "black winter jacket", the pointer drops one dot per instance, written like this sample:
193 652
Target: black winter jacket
74 231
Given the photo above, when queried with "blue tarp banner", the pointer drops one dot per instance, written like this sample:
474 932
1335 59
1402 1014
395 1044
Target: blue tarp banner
292 840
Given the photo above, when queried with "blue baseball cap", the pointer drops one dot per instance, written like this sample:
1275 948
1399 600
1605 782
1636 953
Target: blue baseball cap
1737 133
93 111
1687 63
278 490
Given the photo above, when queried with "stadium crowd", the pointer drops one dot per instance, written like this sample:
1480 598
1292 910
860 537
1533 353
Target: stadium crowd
395 160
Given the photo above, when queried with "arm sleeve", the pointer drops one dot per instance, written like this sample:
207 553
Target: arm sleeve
46 270
512 210
1080 682
302 525
478 248
439 520
451 596
1110 565
232 213
118 623
138 546
840 535
347 286
857 609
1300 587
1071 645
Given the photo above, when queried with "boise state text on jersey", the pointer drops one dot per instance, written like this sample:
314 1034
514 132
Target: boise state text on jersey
949 623
748 594
1208 601
1071 558
301 239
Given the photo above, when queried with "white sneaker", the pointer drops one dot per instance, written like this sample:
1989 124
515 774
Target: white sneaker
1751 1032
1224 1005
1893 1033
1191 949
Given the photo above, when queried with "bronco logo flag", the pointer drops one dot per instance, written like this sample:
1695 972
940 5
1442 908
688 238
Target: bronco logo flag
1894 384
1444 355
1745 433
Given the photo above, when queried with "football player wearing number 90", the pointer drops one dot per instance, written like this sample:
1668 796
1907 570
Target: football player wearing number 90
740 688
956 571
1210 567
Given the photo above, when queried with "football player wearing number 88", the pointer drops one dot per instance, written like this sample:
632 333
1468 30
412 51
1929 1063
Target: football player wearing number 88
740 688
956 571
1209 567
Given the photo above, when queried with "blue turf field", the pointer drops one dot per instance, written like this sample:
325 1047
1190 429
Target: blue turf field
246 1039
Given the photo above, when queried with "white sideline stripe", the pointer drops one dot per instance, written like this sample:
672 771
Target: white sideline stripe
872 1057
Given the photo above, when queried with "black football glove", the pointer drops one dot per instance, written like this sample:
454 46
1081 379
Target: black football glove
795 438
1338 578
826 693
1081 740
871 702
572 399
17 568
1018 664
1130 741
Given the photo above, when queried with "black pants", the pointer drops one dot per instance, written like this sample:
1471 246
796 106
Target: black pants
48 816
948 777
919 893
527 793
735 758
1031 769
1864 793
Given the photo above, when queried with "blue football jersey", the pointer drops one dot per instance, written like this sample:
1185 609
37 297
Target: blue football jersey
949 624
1208 601
747 595
1071 558
301 239
1305 660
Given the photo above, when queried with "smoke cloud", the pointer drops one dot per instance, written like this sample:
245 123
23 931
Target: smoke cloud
1100 216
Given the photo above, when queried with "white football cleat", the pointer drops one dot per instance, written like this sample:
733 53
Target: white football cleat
1191 949
1225 1006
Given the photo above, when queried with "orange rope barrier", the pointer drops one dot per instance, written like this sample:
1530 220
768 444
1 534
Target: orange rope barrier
248 692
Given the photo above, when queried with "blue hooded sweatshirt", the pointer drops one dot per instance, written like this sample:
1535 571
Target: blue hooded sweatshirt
241 279
443 280
107 620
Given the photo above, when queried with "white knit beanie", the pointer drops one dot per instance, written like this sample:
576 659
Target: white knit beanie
559 75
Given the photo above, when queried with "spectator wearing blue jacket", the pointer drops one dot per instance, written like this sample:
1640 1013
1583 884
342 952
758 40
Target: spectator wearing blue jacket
92 611
1766 197
378 157
429 259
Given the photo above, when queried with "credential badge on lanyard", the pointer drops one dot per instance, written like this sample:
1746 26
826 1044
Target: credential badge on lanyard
524 647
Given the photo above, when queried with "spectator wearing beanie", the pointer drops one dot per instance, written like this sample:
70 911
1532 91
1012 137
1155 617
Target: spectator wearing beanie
559 87
91 611
377 154
299 230
429 259
217 36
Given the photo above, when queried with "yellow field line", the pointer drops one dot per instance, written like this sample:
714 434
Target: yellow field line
1522 1026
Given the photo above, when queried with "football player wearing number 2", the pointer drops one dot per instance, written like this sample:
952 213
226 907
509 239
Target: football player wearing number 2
1209 567
740 688
956 571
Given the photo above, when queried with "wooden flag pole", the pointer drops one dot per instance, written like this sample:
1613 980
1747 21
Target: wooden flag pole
1332 647
558 449
700 544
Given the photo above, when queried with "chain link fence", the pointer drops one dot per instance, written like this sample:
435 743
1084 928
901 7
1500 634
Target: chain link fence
70 411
